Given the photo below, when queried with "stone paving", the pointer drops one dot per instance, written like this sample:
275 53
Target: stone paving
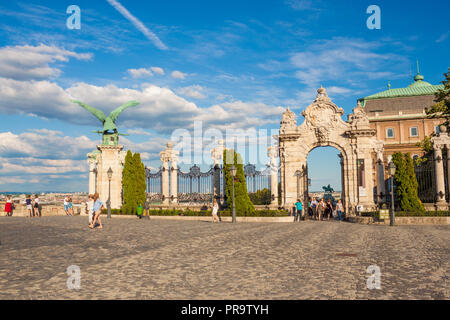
160 259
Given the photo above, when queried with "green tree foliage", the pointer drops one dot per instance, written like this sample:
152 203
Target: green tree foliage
243 204
261 197
406 186
133 182
442 98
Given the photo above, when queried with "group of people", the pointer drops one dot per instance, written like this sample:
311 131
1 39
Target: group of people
319 210
94 209
68 206
33 206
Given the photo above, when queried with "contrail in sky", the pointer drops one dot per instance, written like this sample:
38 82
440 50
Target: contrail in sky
138 24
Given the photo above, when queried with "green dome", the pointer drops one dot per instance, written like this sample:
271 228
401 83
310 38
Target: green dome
418 82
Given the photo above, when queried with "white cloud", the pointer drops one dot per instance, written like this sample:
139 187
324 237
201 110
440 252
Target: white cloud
138 24
32 62
140 73
138 132
443 37
178 74
158 70
192 92
340 59
44 144
300 5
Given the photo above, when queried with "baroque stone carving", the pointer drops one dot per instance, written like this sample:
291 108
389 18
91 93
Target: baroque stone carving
288 121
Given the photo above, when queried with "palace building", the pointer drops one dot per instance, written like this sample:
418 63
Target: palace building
398 115
400 121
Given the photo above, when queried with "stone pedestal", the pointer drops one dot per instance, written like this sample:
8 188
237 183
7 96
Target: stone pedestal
110 156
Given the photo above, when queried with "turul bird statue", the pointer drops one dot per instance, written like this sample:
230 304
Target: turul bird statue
109 122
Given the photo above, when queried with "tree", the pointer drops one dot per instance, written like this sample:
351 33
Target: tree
140 183
442 98
406 186
242 201
133 183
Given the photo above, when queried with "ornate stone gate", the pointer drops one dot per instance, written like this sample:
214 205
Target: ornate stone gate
323 126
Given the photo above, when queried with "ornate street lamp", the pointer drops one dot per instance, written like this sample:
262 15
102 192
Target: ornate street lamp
391 170
233 171
108 203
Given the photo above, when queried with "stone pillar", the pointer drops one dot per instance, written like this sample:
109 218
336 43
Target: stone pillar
217 156
273 154
174 182
381 186
165 177
92 161
111 156
448 171
439 169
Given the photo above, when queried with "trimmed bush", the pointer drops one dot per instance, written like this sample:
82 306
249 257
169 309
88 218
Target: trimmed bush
405 181
243 204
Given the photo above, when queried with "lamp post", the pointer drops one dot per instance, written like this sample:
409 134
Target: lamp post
233 171
391 170
108 203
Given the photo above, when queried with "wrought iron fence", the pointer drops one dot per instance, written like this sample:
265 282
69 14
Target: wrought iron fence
426 179
195 186
256 180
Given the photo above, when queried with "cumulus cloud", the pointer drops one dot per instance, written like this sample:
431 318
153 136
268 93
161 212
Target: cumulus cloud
178 75
140 73
44 144
194 91
32 62
158 70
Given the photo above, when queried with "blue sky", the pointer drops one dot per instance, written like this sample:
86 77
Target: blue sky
229 64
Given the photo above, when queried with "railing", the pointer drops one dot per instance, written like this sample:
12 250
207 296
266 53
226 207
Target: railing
195 186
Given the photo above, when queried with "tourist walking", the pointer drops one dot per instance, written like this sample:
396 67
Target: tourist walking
299 207
37 206
314 205
98 206
66 205
329 209
340 209
90 208
8 206
70 207
29 206
215 210
321 209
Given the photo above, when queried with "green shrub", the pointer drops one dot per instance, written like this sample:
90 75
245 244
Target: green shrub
261 197
406 186
242 201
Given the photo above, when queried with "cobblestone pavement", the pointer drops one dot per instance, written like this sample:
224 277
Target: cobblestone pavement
161 259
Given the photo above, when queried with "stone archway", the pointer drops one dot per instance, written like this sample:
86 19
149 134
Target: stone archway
323 126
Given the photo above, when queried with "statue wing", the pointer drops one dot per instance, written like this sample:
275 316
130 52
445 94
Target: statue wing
97 113
116 112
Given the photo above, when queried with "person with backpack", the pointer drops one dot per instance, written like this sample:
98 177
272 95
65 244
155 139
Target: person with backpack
299 207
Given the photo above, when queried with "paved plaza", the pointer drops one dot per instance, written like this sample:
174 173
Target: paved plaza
162 259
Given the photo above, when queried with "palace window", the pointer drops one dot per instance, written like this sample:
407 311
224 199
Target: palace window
413 132
390 133
437 130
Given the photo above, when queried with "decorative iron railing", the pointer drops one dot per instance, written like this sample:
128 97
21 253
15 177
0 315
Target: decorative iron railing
196 186
426 179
